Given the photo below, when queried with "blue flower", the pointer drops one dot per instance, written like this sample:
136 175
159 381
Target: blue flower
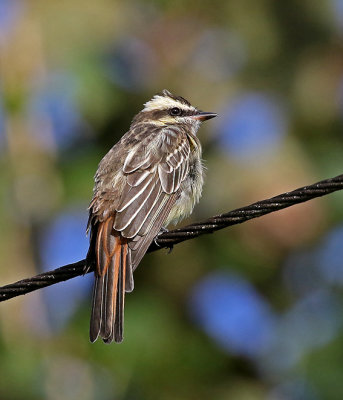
231 312
252 126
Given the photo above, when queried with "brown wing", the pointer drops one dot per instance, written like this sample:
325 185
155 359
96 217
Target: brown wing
152 177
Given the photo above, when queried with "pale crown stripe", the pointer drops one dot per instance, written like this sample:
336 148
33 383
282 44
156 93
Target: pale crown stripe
161 103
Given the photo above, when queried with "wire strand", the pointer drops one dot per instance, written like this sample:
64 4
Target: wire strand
168 239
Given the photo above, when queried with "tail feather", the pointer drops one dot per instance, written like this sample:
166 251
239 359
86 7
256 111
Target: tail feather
119 323
129 282
113 275
96 308
107 302
110 298
117 328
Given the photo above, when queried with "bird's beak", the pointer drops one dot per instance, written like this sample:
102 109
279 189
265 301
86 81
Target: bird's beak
203 116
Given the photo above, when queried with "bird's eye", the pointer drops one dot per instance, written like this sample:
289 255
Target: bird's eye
175 111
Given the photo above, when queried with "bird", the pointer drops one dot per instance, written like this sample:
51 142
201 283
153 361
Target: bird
151 177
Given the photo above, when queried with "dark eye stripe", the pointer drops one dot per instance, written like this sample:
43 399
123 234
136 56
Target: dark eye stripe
189 112
183 113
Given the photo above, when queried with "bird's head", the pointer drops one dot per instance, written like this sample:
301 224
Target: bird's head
165 109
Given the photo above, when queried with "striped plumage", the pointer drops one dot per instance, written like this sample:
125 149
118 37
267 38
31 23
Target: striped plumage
151 177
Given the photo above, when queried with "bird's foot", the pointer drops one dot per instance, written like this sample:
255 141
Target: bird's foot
161 232
87 268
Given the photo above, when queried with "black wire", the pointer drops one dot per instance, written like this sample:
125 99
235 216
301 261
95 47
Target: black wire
168 239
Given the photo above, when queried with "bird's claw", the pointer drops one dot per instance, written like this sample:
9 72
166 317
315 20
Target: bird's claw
87 268
161 232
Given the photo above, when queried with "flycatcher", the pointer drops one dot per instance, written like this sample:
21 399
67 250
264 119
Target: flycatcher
151 177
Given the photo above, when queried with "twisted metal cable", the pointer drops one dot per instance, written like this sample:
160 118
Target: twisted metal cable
168 239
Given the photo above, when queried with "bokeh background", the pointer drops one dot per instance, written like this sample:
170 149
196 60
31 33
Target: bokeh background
249 313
